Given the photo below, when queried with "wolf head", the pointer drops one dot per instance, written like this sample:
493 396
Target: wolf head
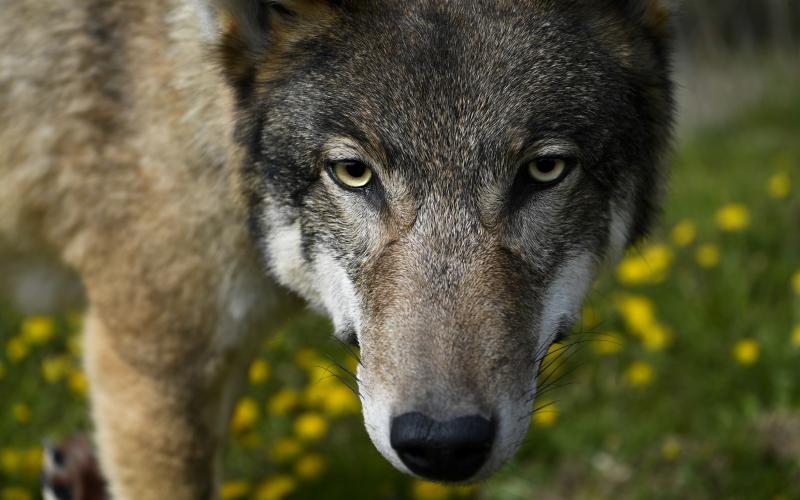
444 179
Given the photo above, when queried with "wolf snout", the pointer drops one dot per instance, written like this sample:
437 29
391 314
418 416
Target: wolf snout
453 450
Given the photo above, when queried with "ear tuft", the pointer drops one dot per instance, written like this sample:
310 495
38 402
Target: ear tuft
244 30
246 18
250 20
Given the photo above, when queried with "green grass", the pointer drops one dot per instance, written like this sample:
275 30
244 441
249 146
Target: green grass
705 426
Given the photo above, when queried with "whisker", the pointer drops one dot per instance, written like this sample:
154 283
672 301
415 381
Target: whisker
550 388
547 385
561 361
349 348
343 380
538 409
341 366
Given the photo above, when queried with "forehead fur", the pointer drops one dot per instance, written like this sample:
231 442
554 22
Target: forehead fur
475 64
440 88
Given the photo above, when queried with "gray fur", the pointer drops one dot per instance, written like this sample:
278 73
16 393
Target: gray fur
452 279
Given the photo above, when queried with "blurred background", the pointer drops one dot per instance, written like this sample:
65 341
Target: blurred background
682 380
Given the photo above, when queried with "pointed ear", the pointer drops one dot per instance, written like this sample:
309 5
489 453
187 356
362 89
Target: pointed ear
252 19
243 30
654 15
217 15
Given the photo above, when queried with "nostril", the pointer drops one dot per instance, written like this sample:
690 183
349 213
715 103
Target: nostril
453 450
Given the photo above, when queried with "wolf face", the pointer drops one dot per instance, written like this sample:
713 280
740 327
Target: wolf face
444 178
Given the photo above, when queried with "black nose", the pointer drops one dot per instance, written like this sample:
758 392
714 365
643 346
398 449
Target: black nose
442 451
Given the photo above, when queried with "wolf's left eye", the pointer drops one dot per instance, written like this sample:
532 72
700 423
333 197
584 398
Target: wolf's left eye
350 173
547 171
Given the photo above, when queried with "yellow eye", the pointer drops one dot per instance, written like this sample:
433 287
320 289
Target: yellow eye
350 173
547 170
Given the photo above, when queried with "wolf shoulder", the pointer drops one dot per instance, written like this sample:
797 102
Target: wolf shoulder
110 112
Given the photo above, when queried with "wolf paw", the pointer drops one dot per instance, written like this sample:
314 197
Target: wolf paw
71 471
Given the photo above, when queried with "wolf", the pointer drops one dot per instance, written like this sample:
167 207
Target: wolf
442 178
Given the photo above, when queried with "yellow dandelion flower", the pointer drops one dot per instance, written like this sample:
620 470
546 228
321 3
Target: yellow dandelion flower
16 349
322 375
796 282
546 415
315 393
322 383
21 412
733 217
231 490
608 343
655 337
637 311
259 372
245 415
15 493
551 363
707 256
671 449
352 363
307 359
684 233
650 265
11 461
38 330
275 488
285 449
77 382
55 368
310 427
796 336
341 401
32 461
283 402
425 490
779 185
746 352
639 374
659 257
310 467
633 271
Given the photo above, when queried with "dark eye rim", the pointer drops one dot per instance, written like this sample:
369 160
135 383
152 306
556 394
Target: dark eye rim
525 187
330 168
571 163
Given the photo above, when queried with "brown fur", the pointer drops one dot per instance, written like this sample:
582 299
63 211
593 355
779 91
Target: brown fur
113 159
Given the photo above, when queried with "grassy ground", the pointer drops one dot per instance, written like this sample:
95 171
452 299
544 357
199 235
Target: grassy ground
683 380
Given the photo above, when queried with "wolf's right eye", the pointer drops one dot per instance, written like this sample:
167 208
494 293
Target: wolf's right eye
548 171
350 174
